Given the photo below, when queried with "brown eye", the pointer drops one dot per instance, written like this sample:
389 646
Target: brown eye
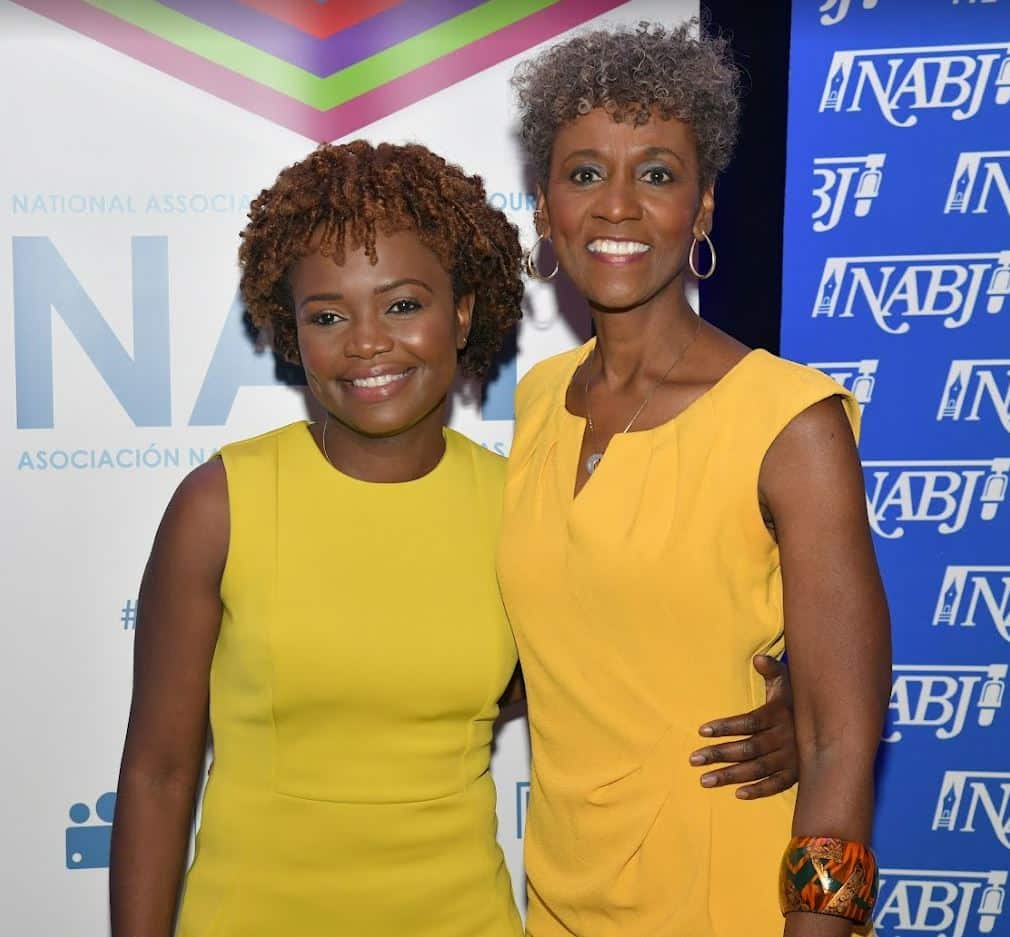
584 175
404 306
657 175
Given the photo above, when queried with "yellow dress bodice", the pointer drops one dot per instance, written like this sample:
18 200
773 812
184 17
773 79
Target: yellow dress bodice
637 607
362 652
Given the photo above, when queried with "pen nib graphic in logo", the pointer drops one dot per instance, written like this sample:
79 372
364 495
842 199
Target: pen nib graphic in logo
859 377
980 183
969 801
976 382
940 697
904 82
942 902
936 492
87 847
836 174
971 594
897 290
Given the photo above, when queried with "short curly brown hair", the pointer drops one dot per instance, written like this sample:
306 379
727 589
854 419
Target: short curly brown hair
684 72
355 189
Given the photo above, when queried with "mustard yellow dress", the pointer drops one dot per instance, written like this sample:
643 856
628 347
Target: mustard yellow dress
637 607
362 652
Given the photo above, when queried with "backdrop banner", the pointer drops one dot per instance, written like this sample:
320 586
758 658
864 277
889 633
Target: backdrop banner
136 134
897 284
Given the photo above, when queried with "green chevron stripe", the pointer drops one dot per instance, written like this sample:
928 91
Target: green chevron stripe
342 86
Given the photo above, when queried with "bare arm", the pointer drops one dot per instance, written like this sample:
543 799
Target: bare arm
179 614
837 630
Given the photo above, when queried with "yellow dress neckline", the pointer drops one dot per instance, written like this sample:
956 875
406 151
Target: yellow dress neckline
588 347
325 468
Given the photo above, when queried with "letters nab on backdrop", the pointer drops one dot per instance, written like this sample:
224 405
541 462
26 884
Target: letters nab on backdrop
136 134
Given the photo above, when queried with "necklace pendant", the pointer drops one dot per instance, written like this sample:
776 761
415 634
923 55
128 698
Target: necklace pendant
593 461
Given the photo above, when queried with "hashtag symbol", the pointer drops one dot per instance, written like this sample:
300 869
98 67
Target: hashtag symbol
129 615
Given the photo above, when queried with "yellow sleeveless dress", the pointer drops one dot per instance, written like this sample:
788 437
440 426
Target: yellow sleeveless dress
362 652
637 607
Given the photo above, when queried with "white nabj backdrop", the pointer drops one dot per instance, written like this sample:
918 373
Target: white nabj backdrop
124 187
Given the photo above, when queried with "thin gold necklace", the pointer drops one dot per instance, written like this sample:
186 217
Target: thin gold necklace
326 455
594 458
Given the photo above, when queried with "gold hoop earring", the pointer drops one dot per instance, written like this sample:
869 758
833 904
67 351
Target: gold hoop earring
530 264
690 257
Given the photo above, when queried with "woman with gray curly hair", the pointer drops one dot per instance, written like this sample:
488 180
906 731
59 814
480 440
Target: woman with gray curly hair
672 494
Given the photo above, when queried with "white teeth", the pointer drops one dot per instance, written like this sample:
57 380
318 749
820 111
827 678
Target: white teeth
379 381
605 246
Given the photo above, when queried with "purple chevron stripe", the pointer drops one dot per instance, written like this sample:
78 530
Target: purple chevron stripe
322 57
288 112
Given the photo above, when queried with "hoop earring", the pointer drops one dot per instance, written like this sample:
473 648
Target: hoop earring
690 257
530 264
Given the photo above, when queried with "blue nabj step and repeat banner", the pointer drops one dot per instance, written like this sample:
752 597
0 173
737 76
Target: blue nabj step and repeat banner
897 284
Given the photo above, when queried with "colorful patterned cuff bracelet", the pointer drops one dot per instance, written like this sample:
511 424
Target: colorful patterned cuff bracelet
828 876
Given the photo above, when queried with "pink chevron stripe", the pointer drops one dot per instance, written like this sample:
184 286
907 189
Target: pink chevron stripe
301 118
179 63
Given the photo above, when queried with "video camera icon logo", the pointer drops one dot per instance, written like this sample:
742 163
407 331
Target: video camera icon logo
88 846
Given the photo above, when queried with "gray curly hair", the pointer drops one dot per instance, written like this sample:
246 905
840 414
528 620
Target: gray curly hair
683 72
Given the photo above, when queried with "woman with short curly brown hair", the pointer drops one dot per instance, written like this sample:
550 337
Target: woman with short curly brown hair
672 495
346 194
327 592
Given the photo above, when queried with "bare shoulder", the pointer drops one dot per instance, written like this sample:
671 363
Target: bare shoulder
203 493
812 467
196 519
822 423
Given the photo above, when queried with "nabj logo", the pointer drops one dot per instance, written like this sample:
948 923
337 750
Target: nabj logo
940 698
944 902
980 183
87 845
896 289
836 174
935 492
976 383
974 595
972 801
899 82
834 11
859 377
522 806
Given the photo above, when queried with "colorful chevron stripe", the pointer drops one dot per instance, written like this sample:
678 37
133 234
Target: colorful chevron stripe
322 69
321 19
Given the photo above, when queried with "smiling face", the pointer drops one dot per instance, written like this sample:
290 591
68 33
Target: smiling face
379 342
622 205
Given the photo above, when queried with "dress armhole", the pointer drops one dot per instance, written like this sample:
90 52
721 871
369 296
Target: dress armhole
811 388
